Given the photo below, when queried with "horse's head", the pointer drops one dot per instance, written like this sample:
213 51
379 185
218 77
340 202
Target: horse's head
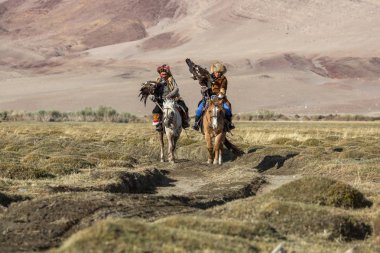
216 113
169 112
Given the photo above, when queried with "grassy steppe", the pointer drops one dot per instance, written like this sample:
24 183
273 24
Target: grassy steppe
100 185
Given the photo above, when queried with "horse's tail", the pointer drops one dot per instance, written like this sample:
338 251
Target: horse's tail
237 151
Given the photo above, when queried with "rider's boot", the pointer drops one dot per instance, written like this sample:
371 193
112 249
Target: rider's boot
230 125
196 123
159 127
157 122
186 120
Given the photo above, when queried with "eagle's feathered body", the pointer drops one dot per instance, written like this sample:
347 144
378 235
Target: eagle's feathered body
199 73
147 88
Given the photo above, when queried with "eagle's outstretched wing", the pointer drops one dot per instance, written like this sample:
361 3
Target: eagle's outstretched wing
198 73
147 88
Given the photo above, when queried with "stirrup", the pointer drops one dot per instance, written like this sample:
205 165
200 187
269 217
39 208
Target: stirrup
195 127
159 127
185 124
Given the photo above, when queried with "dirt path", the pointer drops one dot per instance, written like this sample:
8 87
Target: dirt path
275 181
203 183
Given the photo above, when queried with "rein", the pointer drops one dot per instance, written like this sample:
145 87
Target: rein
162 110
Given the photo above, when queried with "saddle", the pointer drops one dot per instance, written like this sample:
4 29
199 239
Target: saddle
182 112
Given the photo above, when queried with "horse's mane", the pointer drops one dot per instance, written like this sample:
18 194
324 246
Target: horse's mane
170 102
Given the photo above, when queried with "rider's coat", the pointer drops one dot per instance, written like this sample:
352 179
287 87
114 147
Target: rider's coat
167 89
219 85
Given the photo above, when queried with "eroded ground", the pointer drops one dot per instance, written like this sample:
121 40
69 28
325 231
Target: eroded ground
100 185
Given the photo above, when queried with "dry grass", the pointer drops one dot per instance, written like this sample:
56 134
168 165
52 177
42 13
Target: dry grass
134 236
40 158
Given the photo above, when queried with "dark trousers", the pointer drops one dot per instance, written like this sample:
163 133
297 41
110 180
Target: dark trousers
157 109
183 105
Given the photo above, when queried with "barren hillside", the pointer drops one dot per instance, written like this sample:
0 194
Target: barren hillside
291 56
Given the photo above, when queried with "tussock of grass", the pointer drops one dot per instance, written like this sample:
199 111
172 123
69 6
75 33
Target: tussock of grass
308 220
34 158
281 141
137 182
285 141
9 156
110 155
60 169
135 236
115 163
223 227
353 154
64 165
376 226
111 180
312 142
17 171
299 219
322 191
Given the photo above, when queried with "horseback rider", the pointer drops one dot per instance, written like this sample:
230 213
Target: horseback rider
218 88
167 89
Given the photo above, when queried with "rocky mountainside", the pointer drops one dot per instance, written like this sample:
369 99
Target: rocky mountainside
290 56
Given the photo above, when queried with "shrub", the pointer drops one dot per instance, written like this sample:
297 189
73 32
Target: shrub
103 113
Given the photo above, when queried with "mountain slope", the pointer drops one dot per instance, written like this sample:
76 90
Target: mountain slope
290 56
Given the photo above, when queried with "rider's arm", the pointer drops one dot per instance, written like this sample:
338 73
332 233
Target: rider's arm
175 91
223 87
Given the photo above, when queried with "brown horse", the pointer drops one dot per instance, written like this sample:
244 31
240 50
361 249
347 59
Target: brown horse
213 124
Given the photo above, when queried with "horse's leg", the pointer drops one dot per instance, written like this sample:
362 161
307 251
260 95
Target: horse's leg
170 147
161 137
209 147
216 152
218 149
176 138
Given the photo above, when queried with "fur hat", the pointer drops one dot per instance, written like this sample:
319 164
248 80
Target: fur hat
218 67
164 68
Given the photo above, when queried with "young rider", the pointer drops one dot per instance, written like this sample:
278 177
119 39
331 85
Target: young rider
218 88
167 89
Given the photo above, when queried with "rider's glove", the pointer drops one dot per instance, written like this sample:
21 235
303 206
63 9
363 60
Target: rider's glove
204 90
220 96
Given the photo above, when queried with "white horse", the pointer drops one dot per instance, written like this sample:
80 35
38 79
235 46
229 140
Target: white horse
172 124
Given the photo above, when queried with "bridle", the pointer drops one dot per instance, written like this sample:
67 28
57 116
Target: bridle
213 123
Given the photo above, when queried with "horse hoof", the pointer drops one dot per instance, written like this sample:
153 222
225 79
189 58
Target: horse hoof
162 160
209 161
172 162
215 162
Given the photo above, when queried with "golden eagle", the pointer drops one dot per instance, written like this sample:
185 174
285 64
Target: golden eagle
147 88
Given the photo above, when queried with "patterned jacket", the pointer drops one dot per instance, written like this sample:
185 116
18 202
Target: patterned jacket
172 89
219 85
